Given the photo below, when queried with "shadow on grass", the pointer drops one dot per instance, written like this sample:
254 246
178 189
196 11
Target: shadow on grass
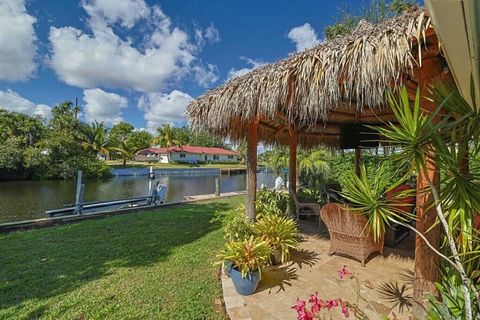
44 263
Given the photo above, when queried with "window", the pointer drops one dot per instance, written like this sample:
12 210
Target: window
230 157
215 157
182 155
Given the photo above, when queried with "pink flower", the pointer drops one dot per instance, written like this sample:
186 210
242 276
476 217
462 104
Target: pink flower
317 304
343 272
302 312
331 304
345 311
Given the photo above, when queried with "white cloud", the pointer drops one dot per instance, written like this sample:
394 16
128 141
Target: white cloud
233 73
212 34
17 41
104 106
125 12
12 101
303 36
103 59
160 108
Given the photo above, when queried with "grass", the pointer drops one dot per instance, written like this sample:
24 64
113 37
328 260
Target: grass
150 265
137 164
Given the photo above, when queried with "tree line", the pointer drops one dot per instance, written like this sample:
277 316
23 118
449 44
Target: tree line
34 148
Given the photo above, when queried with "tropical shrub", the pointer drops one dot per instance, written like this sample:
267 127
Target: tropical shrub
451 305
279 231
449 135
235 224
369 197
310 194
269 201
248 255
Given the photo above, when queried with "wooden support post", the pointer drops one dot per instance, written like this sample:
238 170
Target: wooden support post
427 263
292 163
358 160
252 139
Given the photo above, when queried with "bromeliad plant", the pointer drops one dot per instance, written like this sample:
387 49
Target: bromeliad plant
369 197
279 231
249 255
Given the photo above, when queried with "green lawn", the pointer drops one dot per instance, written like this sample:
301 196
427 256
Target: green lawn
151 265
136 164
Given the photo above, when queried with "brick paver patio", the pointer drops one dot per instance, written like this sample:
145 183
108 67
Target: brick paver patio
313 270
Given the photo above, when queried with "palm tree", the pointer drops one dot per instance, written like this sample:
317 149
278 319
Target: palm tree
277 159
242 151
95 139
127 151
166 137
308 162
313 162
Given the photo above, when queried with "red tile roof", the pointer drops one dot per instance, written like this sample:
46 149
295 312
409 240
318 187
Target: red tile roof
191 149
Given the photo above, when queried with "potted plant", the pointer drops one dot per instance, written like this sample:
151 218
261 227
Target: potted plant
369 197
280 232
247 258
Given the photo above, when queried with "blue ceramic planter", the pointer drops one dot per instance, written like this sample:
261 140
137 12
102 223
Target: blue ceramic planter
245 286
228 265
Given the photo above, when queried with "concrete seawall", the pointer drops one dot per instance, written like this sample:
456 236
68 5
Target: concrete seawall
120 172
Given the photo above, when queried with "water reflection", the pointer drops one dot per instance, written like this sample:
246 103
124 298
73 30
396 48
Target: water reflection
20 200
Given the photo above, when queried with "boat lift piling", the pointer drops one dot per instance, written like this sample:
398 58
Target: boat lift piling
79 193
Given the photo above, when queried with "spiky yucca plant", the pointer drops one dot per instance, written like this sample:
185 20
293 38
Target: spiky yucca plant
368 197
279 231
249 255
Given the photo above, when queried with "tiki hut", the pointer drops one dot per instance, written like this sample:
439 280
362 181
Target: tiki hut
323 95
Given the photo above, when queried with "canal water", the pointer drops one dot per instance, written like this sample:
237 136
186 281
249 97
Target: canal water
22 200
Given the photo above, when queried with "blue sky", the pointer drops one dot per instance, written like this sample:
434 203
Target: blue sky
143 61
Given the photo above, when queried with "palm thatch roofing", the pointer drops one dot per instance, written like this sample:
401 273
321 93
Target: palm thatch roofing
321 91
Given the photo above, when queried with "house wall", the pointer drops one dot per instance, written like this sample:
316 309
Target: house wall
175 156
162 158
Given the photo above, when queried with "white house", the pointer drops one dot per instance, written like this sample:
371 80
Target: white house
188 154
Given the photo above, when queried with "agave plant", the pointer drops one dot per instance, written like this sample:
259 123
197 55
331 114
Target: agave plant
369 197
279 231
249 255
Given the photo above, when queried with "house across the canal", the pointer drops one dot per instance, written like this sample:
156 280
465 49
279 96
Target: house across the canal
187 154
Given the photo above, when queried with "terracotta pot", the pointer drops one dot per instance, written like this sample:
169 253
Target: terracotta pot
408 203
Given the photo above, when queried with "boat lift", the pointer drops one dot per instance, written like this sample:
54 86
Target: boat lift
157 196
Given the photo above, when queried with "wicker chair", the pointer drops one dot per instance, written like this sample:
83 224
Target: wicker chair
312 206
348 234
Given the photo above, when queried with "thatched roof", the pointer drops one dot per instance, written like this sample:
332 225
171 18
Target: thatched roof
338 82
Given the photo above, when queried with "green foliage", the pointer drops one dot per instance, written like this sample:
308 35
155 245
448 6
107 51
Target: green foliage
279 231
120 132
139 139
235 224
307 194
271 201
166 136
376 12
127 151
249 255
342 167
94 138
30 149
451 305
445 136
368 197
